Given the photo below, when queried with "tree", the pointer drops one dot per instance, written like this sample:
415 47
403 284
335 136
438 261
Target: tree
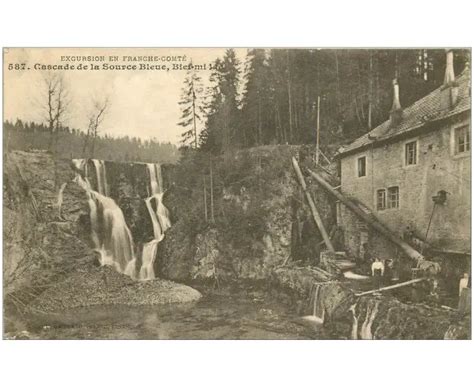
55 105
191 107
257 110
95 119
223 115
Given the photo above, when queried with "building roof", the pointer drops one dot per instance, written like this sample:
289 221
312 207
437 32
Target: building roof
423 111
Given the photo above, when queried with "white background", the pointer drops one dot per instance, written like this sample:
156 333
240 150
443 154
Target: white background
226 364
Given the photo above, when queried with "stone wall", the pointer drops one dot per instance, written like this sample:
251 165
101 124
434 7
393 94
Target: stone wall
438 168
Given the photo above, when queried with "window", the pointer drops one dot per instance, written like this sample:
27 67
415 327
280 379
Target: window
361 167
410 153
463 142
381 199
393 198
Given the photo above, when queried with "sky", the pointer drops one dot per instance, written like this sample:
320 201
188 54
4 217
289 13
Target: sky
143 103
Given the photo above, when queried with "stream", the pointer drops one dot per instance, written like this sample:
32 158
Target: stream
216 316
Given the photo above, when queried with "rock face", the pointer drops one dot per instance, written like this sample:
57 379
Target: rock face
393 319
47 236
41 242
367 317
260 217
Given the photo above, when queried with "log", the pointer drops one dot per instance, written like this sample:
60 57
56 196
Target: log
370 220
393 286
312 206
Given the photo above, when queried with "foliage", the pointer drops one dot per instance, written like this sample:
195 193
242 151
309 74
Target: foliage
25 136
192 108
222 128
281 89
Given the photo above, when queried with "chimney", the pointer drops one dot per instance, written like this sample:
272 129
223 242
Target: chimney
396 112
449 90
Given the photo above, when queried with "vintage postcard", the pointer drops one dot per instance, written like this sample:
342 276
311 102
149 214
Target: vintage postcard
237 193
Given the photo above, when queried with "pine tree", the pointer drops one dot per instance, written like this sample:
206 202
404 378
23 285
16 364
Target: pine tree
257 112
191 104
223 115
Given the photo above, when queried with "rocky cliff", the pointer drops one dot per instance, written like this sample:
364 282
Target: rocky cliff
366 317
46 235
258 218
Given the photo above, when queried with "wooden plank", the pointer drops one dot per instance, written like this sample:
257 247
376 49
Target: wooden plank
392 287
312 206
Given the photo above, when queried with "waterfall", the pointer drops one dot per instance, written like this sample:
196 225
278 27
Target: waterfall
102 186
147 271
366 328
59 202
316 305
110 233
162 213
156 180
157 232
79 163
159 218
355 321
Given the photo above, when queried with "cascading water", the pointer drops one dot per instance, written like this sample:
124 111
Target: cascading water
110 233
160 220
366 328
156 181
355 321
59 202
102 186
316 305
81 165
147 271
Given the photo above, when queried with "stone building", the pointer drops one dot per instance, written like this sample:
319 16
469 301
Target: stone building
413 172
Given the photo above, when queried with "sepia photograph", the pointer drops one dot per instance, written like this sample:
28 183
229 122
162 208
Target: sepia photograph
267 193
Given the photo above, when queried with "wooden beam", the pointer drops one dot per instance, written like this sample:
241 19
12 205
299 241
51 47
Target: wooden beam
322 154
392 287
312 206
317 131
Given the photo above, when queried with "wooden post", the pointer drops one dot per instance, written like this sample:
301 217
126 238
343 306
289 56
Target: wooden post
212 190
317 131
290 99
194 120
312 206
428 229
205 198
369 115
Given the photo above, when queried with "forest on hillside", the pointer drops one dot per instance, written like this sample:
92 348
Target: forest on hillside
72 143
274 96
